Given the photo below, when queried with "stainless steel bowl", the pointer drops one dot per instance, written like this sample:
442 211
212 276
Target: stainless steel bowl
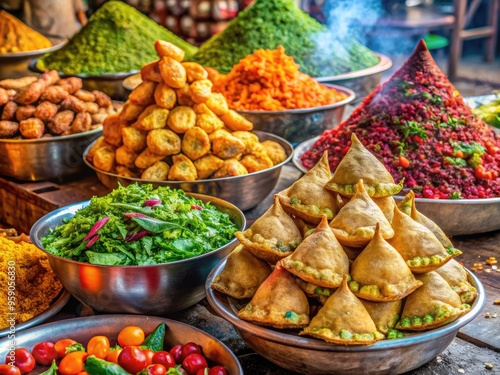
297 125
108 83
83 329
363 81
44 158
454 216
16 65
156 289
316 357
245 191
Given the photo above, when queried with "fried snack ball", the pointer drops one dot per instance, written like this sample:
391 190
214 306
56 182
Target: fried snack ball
217 104
256 161
102 99
91 107
230 168
9 111
84 95
33 91
172 72
151 72
157 172
121 170
99 142
182 169
81 123
61 122
125 157
98 118
45 111
200 90
275 151
207 165
164 48
130 111
71 84
17 83
8 128
227 146
195 143
134 139
143 94
206 119
234 121
183 97
4 96
194 71
104 158
147 158
218 133
112 129
73 104
251 141
181 119
165 96
54 94
24 112
163 142
153 117
32 128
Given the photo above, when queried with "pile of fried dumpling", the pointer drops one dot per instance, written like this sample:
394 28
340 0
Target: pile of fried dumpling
337 258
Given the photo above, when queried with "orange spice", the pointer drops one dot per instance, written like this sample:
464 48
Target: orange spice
15 36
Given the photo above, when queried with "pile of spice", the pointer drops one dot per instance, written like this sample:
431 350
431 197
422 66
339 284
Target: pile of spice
117 38
270 80
269 23
418 125
15 36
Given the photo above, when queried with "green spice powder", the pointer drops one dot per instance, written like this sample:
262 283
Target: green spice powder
117 38
267 24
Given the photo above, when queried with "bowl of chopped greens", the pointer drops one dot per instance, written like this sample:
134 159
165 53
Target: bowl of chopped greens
138 249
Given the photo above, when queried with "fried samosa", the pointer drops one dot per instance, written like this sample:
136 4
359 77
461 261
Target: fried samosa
359 163
456 276
279 302
385 315
315 291
242 274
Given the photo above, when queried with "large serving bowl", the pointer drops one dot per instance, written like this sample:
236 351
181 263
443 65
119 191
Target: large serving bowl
156 289
245 191
454 216
298 125
45 158
83 329
316 357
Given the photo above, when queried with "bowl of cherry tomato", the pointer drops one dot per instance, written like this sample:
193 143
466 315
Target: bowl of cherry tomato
118 345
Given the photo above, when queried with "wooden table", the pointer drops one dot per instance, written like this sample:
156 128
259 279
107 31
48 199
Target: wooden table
476 344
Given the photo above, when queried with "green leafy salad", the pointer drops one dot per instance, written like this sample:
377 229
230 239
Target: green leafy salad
140 225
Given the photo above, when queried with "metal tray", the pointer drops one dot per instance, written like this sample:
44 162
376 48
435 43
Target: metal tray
454 216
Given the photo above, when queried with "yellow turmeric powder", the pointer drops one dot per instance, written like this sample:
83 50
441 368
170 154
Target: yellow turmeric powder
15 36
27 283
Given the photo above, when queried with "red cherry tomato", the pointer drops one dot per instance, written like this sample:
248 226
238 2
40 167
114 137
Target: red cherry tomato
176 353
164 358
194 362
189 348
23 359
9 370
156 369
132 359
217 370
202 371
44 353
149 356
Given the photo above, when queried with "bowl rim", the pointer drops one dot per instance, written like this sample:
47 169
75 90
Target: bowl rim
384 64
37 52
351 95
207 180
301 148
283 338
58 138
79 205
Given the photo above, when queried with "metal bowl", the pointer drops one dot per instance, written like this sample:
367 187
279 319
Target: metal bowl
316 357
454 216
108 83
156 289
245 191
83 329
363 81
16 65
44 158
297 125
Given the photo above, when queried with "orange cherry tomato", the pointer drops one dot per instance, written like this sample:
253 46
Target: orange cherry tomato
131 336
149 356
98 346
6 369
83 373
61 345
72 363
113 355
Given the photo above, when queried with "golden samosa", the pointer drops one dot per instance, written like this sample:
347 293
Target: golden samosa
242 275
380 274
360 164
343 320
456 276
307 198
279 302
432 305
319 259
315 291
273 236
418 246
385 315
354 225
